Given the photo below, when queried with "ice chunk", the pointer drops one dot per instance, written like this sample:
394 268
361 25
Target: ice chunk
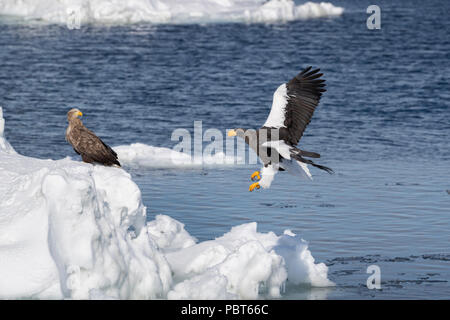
300 262
246 263
242 260
68 228
311 10
73 230
169 234
139 155
167 11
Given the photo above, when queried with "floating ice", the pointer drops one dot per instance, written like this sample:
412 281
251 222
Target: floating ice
167 11
244 264
67 228
139 155
73 230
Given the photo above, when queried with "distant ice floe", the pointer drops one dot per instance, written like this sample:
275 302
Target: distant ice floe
71 230
139 155
167 11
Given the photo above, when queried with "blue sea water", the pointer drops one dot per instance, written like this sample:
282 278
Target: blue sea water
383 126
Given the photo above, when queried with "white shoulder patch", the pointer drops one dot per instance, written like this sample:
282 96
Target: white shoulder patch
276 115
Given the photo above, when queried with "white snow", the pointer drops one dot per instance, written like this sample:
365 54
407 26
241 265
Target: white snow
67 228
246 263
169 234
139 155
167 11
300 262
77 231
310 10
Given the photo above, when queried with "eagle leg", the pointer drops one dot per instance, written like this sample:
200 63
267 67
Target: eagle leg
254 186
255 176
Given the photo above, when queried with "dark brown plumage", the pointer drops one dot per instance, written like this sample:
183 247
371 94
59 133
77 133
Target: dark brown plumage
91 148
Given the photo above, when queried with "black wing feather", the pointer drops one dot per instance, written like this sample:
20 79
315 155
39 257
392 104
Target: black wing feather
304 92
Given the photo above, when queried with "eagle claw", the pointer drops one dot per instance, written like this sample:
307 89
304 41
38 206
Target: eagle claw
255 176
254 186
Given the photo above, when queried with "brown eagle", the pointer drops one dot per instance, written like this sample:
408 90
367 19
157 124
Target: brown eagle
91 148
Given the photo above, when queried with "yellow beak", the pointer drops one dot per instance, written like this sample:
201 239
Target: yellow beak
80 114
232 133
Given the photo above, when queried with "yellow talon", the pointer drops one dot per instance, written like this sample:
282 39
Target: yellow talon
253 186
255 174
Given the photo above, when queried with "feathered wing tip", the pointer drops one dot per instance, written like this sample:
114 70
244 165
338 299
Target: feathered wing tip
304 92
329 170
114 162
113 159
309 85
117 164
310 77
116 159
306 70
307 161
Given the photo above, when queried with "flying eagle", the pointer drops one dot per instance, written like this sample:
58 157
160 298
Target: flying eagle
91 148
275 142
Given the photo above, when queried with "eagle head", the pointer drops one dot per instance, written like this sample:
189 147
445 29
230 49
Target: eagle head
73 114
236 132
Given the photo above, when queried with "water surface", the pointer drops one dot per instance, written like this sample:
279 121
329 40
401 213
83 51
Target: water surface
383 126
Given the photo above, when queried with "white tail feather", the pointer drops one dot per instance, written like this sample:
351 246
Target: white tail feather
297 168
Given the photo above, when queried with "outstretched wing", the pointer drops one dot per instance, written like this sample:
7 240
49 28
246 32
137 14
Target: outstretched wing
294 104
92 147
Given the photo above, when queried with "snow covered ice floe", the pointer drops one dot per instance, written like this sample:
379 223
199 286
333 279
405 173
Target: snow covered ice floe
73 230
68 230
139 155
166 11
244 264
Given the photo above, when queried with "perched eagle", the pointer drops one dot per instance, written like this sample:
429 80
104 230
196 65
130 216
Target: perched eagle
91 148
275 142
